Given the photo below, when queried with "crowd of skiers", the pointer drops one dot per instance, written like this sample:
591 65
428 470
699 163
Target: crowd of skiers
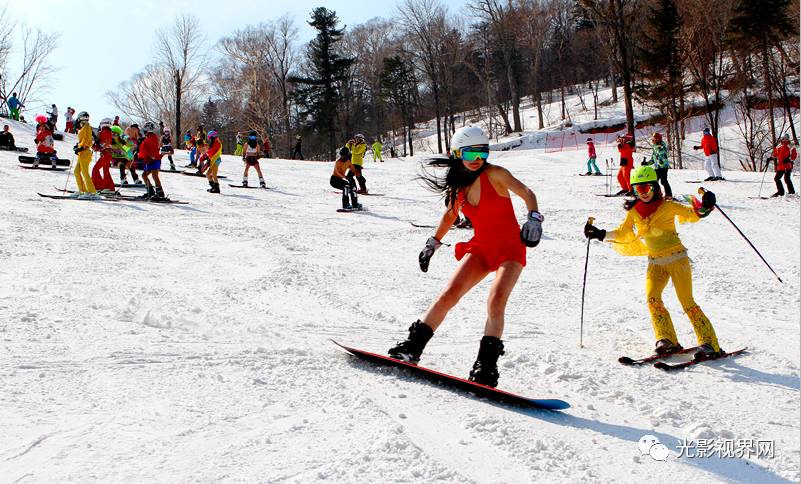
783 158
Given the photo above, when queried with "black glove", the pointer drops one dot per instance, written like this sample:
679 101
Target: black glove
593 232
432 245
696 147
709 200
624 162
531 231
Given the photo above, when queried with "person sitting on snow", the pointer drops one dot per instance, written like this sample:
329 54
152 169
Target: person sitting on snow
7 139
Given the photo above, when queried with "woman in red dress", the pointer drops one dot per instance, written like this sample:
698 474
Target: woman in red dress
481 191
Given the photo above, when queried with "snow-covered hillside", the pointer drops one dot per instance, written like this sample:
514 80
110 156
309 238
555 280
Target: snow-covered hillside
176 343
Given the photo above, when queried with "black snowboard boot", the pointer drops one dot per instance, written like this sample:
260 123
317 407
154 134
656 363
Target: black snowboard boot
411 349
159 196
485 369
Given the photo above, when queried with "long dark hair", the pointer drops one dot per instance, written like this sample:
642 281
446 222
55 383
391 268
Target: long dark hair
456 177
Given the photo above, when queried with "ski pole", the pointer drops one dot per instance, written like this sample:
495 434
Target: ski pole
590 221
767 166
702 191
69 171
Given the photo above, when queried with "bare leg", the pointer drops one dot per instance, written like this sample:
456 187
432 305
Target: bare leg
469 273
505 279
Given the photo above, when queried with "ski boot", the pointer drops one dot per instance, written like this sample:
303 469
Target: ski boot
53 162
36 162
706 352
666 346
485 369
89 196
215 188
411 349
138 182
148 194
245 183
158 195
262 183
124 182
777 194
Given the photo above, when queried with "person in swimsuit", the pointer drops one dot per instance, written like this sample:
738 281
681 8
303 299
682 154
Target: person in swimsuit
251 150
481 191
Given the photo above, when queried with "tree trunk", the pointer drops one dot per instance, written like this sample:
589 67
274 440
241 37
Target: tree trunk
177 78
514 95
768 89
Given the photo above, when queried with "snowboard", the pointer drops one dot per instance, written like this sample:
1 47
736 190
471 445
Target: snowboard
426 226
366 194
18 148
591 174
249 187
44 167
30 159
456 382
345 210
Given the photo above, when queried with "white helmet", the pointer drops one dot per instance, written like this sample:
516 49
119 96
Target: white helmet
105 123
149 127
468 136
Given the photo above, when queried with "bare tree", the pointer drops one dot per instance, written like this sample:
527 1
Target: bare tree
282 55
35 68
179 49
423 21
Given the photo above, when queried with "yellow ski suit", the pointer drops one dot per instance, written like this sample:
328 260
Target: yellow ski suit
82 177
357 150
657 238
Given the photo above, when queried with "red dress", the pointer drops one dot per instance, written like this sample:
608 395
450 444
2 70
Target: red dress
497 233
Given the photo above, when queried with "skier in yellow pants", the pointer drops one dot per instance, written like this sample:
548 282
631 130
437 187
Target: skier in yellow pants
653 218
86 189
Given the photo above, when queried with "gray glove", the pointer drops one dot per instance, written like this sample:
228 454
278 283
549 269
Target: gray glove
531 231
432 245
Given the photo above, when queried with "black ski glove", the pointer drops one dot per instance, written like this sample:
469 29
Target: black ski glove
708 200
432 244
593 232
531 231
624 162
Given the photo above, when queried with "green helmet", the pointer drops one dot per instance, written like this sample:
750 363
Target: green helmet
643 174
116 130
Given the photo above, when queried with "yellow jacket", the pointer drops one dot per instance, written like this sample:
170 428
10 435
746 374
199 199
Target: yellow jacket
85 136
357 150
656 235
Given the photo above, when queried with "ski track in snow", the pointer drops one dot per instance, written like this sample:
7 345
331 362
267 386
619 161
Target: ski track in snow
190 343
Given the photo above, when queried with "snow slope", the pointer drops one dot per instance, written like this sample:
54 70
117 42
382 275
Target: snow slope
190 343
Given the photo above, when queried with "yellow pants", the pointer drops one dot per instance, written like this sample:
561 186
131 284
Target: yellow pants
82 177
680 272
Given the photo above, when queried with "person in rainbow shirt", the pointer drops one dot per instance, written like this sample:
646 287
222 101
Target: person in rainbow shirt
214 154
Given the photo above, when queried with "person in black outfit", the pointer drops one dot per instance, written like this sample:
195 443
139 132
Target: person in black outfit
7 139
297 151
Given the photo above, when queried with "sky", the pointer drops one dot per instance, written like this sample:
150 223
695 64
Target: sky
103 43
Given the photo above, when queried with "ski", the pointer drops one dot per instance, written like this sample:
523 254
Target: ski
195 173
30 159
680 366
456 382
426 226
18 148
67 197
131 185
47 167
136 198
242 186
167 170
625 360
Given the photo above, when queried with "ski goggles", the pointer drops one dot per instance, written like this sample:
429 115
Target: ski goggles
644 189
473 153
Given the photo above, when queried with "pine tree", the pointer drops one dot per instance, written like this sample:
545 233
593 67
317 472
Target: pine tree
319 93
756 28
661 65
399 88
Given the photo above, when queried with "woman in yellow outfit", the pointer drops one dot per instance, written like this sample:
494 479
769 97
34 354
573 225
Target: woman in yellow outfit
357 149
86 189
649 229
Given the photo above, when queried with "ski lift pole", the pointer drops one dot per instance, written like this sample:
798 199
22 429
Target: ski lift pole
590 221
702 191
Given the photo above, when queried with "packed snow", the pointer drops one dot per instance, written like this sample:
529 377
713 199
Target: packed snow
169 343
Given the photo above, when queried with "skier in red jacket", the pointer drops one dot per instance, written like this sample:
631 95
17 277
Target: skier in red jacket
626 147
785 156
710 146
150 153
101 176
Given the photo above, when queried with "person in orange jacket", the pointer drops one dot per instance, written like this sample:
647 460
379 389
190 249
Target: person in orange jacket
785 156
710 146
626 147
101 176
